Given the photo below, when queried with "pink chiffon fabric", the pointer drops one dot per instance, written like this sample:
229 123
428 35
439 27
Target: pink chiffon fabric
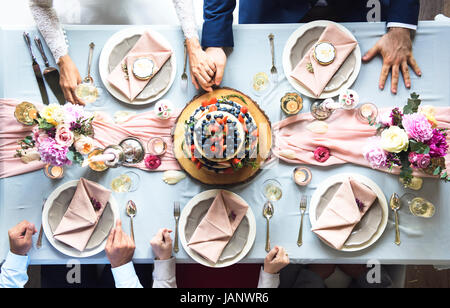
346 138
143 126
342 214
218 226
317 81
81 219
146 47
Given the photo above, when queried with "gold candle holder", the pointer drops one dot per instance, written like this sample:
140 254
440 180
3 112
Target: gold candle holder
97 166
54 172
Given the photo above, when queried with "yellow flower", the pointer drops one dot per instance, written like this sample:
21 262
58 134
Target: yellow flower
394 140
429 112
53 114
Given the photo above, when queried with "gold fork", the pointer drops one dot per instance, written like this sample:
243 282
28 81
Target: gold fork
176 214
303 204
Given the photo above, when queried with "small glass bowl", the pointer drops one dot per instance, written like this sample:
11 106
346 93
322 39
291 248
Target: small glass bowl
302 176
156 146
54 172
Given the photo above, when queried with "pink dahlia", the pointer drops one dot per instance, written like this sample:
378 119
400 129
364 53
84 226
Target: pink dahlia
417 127
152 162
321 154
420 161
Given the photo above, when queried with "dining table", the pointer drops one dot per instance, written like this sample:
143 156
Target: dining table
423 241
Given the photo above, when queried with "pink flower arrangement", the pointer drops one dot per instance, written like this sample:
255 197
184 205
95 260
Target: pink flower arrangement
408 141
54 136
152 162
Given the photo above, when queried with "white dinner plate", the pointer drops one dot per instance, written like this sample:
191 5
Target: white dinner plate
119 38
376 218
234 257
61 247
288 66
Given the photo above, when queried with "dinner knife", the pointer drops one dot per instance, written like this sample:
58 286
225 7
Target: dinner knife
37 71
51 74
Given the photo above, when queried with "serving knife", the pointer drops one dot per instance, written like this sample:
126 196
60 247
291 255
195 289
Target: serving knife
51 74
37 71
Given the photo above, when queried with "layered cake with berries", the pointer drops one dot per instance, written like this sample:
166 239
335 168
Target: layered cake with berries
222 137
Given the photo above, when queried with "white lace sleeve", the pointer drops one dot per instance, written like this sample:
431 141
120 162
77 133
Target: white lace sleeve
48 23
185 12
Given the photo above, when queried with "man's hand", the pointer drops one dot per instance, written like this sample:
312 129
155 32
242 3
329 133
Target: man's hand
20 241
162 244
276 260
69 79
120 247
201 65
218 56
396 49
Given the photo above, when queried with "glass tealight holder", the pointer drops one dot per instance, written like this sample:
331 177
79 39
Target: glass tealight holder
97 166
302 176
54 172
367 113
156 146
260 83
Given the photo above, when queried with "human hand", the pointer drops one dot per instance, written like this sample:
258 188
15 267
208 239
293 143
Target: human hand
396 49
119 247
69 79
20 241
201 65
218 56
162 244
276 260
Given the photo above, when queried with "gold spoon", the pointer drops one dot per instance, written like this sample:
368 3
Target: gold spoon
268 213
131 212
395 204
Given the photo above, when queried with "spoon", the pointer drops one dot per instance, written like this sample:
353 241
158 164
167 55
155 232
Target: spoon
268 213
131 212
88 78
395 204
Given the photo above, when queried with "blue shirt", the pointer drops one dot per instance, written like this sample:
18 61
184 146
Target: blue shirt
14 271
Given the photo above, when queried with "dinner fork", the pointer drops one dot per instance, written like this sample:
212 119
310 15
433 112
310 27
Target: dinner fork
41 231
184 76
303 204
273 69
176 214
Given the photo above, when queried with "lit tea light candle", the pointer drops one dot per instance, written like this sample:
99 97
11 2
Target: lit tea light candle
367 112
291 103
302 176
157 146
54 172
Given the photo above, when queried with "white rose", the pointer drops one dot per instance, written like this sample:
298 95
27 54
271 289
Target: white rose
30 155
394 139
84 145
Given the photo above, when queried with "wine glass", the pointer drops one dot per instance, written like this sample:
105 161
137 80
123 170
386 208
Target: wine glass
418 206
126 182
272 190
260 83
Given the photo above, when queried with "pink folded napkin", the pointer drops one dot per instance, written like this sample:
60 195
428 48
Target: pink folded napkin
342 214
81 218
317 81
218 226
147 46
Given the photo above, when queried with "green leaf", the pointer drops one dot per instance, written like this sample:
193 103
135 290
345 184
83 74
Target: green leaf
43 124
413 104
419 147
236 96
71 156
437 170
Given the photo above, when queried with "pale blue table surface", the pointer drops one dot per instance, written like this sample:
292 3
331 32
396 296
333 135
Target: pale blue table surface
423 241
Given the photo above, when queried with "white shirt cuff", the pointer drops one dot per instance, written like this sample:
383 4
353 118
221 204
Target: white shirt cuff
125 276
401 25
164 269
16 262
268 281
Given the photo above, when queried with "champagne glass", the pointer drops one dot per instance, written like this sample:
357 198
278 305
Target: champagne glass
272 190
418 206
260 83
127 182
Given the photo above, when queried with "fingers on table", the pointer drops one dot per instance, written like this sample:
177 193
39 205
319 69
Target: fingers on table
384 75
371 53
395 77
405 73
412 62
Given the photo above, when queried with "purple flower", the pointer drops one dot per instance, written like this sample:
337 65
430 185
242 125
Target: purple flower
438 144
374 154
417 127
96 204
53 153
419 161
360 205
75 126
396 116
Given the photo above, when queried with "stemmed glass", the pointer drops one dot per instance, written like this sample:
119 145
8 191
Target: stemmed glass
418 206
126 182
272 190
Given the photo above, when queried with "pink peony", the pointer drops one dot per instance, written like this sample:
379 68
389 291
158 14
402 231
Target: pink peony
420 161
417 127
374 154
39 135
321 154
64 136
385 118
152 162
53 153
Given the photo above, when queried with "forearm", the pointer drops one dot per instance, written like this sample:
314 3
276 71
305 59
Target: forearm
186 16
48 24
14 271
125 277
218 26
164 274
268 281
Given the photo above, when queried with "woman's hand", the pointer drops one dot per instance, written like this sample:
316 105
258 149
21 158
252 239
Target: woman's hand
201 65
69 79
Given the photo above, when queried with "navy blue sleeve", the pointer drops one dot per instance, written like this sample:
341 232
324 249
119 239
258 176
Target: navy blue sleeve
218 25
404 11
